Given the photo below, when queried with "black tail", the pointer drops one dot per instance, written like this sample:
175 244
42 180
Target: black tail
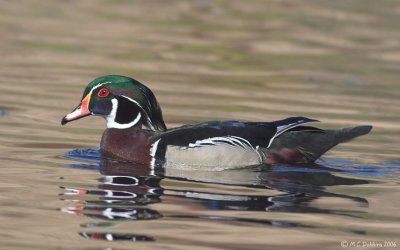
313 144
347 134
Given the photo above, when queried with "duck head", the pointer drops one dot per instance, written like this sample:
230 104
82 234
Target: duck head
122 101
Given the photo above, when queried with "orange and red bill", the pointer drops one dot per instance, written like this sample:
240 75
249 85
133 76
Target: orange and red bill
79 112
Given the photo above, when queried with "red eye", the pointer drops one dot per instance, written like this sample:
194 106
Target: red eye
103 92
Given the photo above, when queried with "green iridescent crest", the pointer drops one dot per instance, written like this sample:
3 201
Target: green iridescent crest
128 87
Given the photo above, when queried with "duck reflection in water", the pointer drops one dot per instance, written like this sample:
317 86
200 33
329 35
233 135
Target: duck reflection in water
126 191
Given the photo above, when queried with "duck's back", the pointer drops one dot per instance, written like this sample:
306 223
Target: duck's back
221 144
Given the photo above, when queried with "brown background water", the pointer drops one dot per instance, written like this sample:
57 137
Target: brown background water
336 61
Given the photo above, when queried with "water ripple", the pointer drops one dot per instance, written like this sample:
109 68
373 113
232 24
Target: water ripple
125 191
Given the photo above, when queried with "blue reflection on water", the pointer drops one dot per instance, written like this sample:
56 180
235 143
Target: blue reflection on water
353 168
4 113
85 154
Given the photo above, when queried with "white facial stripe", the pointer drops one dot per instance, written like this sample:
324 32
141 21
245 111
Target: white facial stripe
91 91
98 85
111 123
130 99
149 123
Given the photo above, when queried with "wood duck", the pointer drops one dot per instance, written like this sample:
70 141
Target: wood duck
136 133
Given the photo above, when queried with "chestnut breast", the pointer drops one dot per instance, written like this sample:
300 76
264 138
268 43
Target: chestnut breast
131 145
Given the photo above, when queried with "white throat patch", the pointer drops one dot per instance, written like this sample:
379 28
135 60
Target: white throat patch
111 123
